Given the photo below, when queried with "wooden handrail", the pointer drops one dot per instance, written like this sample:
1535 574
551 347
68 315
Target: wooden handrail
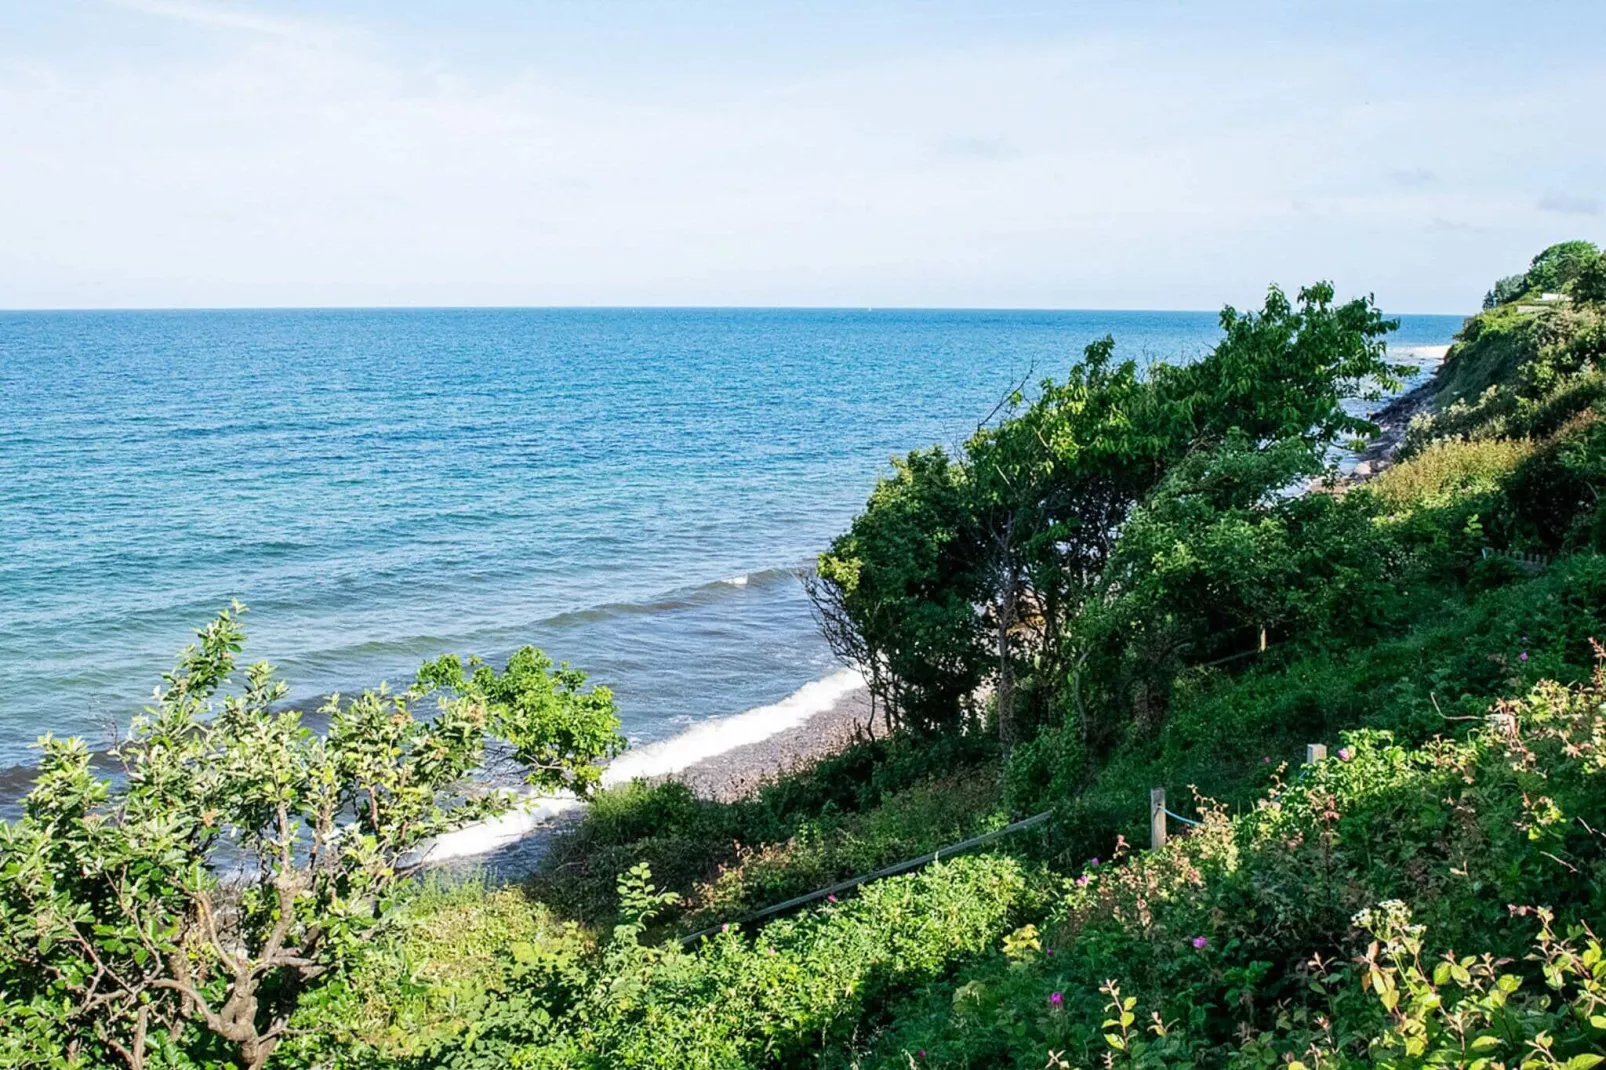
887 871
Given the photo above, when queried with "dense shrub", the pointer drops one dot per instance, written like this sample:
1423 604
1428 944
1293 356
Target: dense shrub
1242 936
463 953
1556 492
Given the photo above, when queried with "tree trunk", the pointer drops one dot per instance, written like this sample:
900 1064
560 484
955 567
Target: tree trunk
1008 597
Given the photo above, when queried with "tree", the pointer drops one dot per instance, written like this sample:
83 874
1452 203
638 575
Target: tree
1558 265
1589 286
242 858
1286 371
1005 547
1505 291
1051 484
902 580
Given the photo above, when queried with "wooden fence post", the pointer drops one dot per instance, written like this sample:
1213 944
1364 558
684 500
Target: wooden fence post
1315 752
1157 817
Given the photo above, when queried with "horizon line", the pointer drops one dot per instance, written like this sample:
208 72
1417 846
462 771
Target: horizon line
52 309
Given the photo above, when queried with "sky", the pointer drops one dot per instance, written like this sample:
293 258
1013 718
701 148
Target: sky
1116 154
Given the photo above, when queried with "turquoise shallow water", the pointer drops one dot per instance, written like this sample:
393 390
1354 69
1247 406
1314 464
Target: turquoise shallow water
381 486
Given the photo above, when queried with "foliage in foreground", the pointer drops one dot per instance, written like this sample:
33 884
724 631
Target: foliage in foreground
1379 909
180 913
1391 906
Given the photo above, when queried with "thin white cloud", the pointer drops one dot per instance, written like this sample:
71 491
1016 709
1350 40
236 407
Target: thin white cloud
224 18
1569 204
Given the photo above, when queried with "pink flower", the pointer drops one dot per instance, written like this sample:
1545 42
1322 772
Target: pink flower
1523 656
725 928
830 899
1200 943
1266 760
772 951
1056 1000
1344 755
1081 882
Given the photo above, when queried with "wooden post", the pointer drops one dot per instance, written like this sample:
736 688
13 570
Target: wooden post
1315 752
1157 817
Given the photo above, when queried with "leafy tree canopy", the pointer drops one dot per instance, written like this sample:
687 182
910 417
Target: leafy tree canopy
241 857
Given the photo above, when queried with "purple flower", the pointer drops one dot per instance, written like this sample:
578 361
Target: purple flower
1344 755
922 1053
1266 760
1200 943
1081 882
1523 656
1095 863
1048 951
1055 999
830 899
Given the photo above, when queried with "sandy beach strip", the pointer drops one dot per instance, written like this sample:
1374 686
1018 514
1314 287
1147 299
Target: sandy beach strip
742 770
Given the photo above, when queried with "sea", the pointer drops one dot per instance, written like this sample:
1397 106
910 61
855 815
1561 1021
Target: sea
634 491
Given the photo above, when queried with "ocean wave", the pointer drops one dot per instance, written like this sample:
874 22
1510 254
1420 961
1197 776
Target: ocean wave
681 598
704 739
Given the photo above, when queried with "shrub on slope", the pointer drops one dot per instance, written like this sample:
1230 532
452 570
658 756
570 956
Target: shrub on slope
1246 935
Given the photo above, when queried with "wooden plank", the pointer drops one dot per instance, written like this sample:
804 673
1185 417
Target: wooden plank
1157 818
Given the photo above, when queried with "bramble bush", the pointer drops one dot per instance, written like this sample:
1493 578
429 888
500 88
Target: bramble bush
1301 929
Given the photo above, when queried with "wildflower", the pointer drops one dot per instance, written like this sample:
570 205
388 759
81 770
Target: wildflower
1266 760
725 928
772 951
1523 656
830 899
1048 951
1344 754
1200 943
1081 882
1095 863
1056 999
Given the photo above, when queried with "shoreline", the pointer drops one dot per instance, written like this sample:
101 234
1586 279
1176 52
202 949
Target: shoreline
742 770
517 844
1394 419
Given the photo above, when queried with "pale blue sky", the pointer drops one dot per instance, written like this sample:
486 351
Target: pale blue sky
1123 154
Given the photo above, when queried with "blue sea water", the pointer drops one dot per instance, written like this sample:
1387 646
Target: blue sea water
628 489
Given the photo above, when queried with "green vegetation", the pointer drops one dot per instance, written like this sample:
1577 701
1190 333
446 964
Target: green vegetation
182 915
1126 580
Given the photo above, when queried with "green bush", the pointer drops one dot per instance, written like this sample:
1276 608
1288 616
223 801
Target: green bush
824 850
1556 492
1242 936
463 954
689 841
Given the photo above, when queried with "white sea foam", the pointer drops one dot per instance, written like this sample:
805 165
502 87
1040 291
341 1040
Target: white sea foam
1421 354
735 581
702 740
